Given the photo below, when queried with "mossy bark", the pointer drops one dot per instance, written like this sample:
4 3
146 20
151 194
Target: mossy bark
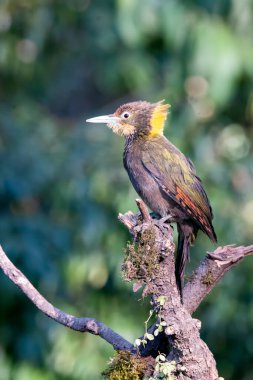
150 261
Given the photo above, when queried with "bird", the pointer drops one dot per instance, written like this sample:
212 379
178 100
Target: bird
162 175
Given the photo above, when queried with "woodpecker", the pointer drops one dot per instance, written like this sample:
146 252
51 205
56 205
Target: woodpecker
162 175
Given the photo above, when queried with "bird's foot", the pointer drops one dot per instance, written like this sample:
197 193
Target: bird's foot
167 219
164 222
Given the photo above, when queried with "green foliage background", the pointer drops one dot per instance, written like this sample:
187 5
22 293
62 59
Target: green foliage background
62 183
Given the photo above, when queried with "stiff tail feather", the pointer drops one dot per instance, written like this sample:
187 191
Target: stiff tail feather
186 236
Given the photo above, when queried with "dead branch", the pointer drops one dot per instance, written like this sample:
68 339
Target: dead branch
209 273
90 325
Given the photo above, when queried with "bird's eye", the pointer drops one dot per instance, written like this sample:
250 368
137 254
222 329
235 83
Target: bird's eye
125 115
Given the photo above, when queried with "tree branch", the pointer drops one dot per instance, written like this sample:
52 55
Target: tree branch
209 273
89 325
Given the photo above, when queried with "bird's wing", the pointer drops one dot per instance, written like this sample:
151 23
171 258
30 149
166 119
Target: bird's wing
177 178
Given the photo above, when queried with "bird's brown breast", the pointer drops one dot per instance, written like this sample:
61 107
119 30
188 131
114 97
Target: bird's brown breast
144 183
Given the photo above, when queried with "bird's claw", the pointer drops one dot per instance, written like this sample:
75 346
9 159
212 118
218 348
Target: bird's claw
164 222
167 219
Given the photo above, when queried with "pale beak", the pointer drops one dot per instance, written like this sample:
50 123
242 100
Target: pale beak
108 119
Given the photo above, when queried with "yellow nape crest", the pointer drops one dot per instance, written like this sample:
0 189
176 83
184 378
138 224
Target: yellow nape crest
158 118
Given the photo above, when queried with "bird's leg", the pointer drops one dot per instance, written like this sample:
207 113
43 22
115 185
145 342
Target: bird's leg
167 218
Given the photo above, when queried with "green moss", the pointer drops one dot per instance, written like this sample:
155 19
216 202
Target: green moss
126 366
141 258
208 279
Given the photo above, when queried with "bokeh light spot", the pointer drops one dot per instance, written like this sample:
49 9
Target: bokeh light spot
247 213
196 87
233 142
5 20
26 51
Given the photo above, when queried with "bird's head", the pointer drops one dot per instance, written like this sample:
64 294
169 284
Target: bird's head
136 119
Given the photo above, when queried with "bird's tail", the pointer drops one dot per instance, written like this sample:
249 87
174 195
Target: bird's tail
186 236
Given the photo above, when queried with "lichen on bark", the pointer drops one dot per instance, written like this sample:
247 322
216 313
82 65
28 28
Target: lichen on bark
126 366
141 257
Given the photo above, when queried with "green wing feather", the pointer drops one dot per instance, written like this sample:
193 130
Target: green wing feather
177 178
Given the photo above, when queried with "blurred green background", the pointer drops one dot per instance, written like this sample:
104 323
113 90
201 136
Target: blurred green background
62 182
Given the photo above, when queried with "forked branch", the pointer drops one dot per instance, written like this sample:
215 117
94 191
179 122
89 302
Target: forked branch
184 346
208 273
